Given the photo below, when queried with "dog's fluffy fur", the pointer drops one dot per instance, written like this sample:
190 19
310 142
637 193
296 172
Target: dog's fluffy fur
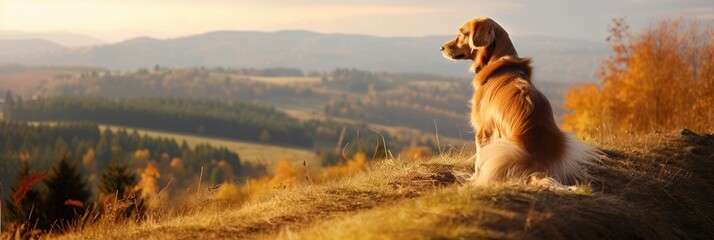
516 135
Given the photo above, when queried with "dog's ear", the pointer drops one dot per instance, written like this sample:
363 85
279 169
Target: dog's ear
483 32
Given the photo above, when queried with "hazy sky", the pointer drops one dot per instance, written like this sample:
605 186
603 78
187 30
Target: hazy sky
115 20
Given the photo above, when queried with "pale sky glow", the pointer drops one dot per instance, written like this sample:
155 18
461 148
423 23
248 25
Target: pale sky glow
116 20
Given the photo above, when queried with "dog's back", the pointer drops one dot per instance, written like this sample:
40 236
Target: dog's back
516 132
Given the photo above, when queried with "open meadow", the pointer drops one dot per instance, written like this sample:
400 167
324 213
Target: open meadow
253 152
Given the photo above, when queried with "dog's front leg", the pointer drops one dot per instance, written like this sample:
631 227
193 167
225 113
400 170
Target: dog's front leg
483 137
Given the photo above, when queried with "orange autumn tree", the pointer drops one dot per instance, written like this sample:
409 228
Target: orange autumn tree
659 80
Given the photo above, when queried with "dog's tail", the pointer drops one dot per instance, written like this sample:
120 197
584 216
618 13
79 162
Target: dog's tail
503 160
570 168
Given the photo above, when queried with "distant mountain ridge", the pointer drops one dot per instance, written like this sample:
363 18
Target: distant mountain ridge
555 59
13 47
65 39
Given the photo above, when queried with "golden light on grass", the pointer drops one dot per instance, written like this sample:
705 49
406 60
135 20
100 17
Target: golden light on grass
428 198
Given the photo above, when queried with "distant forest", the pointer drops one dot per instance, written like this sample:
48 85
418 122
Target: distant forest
397 99
234 120
219 83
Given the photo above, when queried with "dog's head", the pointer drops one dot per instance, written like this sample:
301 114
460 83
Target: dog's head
480 40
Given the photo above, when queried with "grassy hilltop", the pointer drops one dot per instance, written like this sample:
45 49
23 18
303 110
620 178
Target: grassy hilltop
654 187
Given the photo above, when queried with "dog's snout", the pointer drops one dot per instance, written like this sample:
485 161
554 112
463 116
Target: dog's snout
442 48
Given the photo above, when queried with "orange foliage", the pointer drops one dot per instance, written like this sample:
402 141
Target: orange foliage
287 174
89 161
177 166
414 153
25 184
142 155
74 203
348 168
148 183
587 119
25 157
659 80
229 192
165 156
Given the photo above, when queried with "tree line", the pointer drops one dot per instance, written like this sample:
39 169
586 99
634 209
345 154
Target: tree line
235 120
268 72
660 79
224 84
42 144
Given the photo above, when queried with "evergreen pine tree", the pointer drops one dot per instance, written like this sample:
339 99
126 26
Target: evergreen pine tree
116 178
9 100
66 194
103 150
117 183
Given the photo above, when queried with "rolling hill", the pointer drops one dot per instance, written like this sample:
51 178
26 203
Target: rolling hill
555 59
643 190
65 39
11 47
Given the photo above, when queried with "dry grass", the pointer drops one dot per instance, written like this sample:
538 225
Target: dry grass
294 205
655 187
659 188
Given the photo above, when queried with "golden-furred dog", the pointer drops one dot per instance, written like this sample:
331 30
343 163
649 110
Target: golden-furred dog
516 135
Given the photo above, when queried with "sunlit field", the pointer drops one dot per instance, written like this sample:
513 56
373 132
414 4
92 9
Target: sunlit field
249 151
